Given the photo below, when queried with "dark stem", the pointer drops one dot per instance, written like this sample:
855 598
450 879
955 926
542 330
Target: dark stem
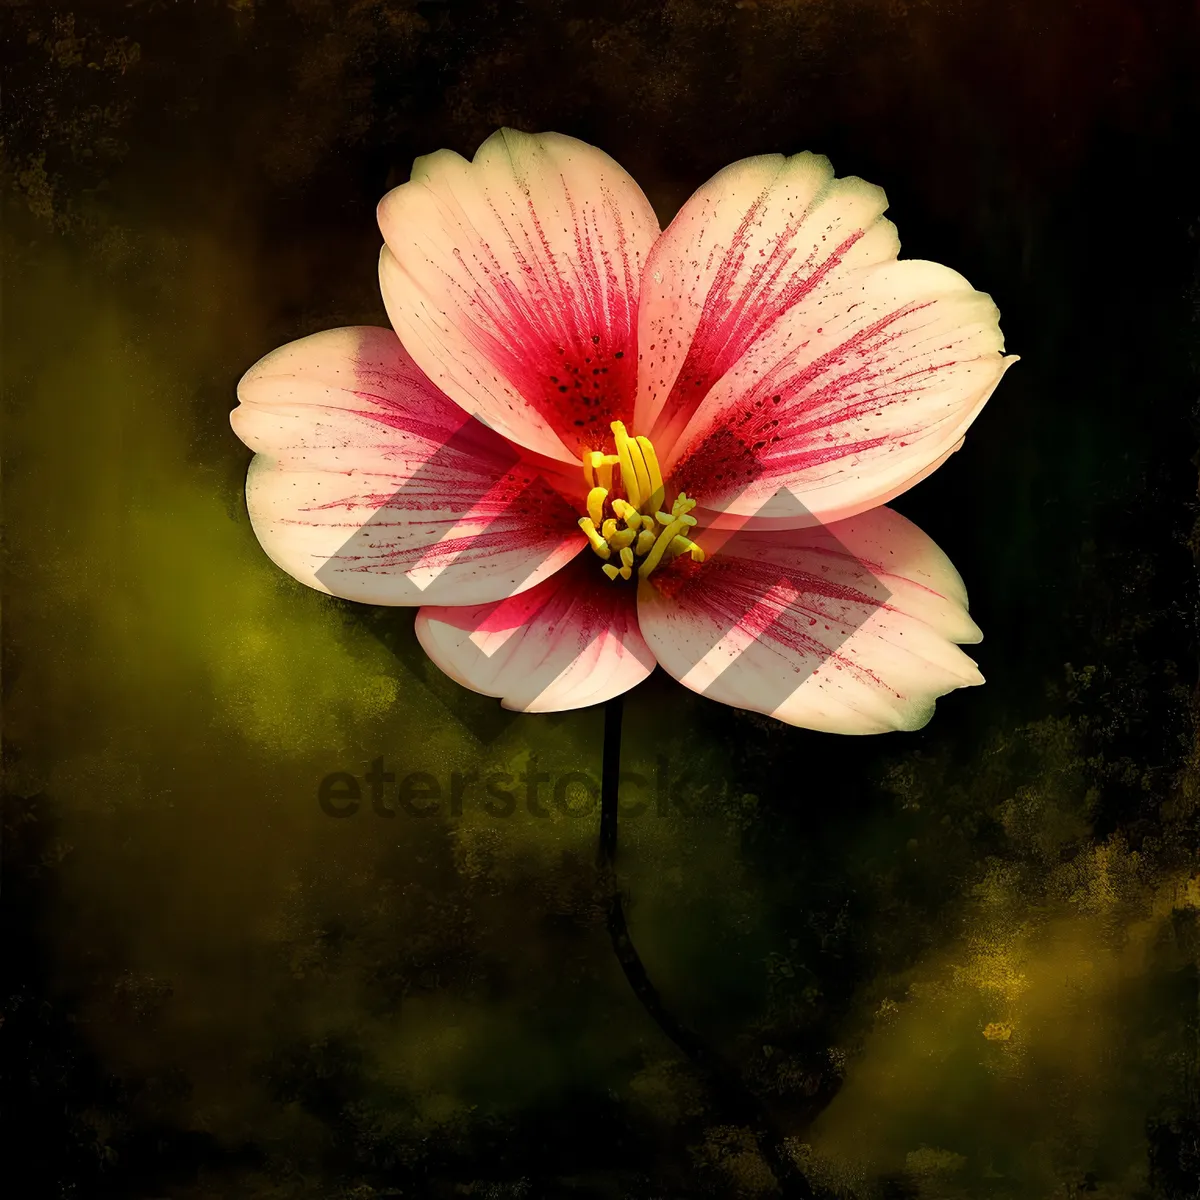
743 1107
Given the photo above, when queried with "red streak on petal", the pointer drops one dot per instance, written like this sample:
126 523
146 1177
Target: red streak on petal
577 602
787 606
730 325
564 332
807 412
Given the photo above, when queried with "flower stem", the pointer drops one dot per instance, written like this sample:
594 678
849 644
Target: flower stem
743 1107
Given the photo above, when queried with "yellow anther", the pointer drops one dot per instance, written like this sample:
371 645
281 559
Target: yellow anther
659 548
625 511
595 504
679 511
683 545
667 518
640 531
628 473
602 465
645 488
657 489
598 543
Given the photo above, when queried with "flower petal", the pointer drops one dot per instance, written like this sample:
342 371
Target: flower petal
849 628
571 641
844 416
761 237
784 511
513 282
370 484
785 348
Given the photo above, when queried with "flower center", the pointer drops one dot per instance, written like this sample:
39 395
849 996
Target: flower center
626 518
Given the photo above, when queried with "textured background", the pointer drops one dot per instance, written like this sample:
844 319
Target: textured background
960 963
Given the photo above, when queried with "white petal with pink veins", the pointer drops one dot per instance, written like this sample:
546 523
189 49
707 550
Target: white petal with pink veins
850 628
513 281
846 406
570 642
761 238
370 484
784 347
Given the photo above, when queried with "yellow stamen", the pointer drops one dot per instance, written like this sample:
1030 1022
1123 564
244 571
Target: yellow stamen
630 515
642 471
628 473
602 464
616 538
659 548
598 543
667 518
595 504
657 488
679 512
641 531
683 545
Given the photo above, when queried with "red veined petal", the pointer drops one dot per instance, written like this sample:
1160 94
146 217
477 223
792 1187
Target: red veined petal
571 641
790 363
513 281
760 238
847 628
370 484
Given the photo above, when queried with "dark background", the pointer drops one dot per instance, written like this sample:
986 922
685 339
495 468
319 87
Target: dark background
957 963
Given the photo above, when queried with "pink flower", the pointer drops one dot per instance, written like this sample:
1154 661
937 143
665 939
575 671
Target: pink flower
590 446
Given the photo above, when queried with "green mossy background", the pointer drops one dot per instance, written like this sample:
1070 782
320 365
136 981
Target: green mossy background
957 964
